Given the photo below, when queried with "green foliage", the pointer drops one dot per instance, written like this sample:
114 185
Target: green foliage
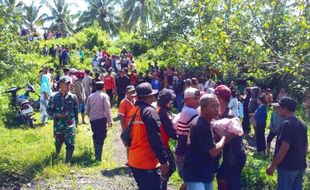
254 175
9 63
132 41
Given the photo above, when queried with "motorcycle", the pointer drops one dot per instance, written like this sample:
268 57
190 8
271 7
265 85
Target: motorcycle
23 105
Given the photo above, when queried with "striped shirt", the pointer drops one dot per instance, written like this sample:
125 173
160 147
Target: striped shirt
183 126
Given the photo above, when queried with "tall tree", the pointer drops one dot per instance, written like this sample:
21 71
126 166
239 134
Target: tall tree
61 16
102 11
31 16
138 12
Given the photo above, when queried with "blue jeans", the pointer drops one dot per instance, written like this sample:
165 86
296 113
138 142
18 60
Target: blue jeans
43 109
199 186
147 179
290 179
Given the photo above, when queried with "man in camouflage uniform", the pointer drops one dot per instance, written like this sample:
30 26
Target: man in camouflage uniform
63 108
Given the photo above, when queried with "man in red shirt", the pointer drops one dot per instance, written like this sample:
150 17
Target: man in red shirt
109 82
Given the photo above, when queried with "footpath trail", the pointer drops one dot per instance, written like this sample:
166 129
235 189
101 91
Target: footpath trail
118 177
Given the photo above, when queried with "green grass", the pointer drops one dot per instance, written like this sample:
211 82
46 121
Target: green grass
27 153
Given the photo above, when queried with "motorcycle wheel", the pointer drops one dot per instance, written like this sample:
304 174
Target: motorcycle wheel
28 121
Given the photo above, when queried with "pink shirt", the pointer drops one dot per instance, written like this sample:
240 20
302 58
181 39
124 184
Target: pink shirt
98 106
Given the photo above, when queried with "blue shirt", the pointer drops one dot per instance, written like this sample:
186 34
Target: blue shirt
155 84
276 121
261 114
45 84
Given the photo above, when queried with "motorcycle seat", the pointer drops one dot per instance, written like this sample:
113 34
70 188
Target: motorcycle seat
24 101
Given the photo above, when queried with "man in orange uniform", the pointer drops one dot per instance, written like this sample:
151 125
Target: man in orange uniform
126 105
146 153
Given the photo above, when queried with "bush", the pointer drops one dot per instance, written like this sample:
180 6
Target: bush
254 175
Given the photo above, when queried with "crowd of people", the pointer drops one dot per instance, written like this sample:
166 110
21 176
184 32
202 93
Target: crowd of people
145 103
34 35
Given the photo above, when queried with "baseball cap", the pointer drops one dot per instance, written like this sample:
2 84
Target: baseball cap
165 96
65 79
145 89
287 102
223 91
191 92
132 89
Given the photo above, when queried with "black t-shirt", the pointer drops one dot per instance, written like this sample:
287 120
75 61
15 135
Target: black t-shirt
121 84
199 165
294 132
178 87
148 79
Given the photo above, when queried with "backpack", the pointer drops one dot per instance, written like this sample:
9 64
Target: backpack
125 135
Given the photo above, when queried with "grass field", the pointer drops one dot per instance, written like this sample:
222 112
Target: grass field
29 153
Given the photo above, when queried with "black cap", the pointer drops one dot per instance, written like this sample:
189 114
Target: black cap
145 89
287 102
132 89
65 79
165 96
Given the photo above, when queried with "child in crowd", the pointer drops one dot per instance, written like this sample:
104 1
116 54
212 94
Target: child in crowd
260 118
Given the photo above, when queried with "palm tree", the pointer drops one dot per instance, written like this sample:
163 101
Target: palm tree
62 19
31 16
13 4
102 11
138 12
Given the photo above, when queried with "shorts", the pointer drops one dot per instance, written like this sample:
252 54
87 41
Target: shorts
82 107
179 160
